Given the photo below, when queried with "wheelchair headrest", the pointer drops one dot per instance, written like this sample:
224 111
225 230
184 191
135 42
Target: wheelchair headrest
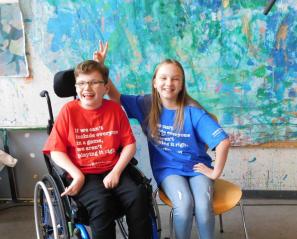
64 83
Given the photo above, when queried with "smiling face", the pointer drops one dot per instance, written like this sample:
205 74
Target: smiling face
90 88
168 82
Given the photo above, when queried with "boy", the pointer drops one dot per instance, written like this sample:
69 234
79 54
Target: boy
85 141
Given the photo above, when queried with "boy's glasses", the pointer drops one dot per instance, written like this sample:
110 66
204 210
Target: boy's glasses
83 84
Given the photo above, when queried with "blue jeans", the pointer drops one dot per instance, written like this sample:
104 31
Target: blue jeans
191 195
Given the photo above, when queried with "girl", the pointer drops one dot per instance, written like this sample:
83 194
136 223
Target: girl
178 130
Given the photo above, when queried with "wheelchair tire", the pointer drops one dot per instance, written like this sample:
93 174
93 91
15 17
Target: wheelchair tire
61 188
140 178
155 219
49 213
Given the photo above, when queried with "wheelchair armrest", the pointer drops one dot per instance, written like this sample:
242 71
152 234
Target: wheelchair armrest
133 161
137 175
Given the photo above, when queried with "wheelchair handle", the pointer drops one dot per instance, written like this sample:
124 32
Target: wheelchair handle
50 124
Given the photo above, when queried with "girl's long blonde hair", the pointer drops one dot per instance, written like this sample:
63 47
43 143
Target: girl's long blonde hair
183 99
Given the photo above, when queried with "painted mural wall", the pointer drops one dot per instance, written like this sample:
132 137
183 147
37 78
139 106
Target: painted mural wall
240 64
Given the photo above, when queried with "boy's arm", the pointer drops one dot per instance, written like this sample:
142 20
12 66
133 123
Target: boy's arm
63 161
221 157
112 179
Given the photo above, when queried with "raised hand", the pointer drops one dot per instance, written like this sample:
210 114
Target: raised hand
100 54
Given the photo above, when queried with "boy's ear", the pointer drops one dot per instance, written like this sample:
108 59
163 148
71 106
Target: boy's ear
107 87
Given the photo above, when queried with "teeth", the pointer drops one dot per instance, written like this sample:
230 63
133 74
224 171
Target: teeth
87 96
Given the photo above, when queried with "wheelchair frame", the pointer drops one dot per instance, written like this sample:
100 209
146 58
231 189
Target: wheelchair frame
57 217
63 218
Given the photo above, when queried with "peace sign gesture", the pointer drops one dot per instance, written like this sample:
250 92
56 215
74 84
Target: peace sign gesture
100 55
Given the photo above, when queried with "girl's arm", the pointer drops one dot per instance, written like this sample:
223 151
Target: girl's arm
100 56
113 92
112 179
221 157
63 161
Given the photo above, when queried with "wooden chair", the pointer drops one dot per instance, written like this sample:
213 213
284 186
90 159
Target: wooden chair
226 196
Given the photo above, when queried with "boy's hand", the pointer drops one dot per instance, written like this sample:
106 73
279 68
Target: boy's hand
111 180
75 186
100 55
202 168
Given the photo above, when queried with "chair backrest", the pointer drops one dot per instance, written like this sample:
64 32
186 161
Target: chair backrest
64 83
64 86
226 196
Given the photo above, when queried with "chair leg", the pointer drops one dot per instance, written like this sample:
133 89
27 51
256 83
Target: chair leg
221 223
243 220
122 227
171 224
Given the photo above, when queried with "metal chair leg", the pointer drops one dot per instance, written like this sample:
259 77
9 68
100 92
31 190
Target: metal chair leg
171 224
243 220
221 223
122 227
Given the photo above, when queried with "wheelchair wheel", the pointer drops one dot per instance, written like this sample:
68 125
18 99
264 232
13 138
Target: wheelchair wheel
155 219
140 178
50 222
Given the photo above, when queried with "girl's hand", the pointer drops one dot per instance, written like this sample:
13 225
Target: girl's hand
100 55
111 180
202 168
75 186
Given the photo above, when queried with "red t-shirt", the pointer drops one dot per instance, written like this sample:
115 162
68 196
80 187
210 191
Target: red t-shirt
91 138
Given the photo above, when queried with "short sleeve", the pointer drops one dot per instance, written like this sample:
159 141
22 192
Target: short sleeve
136 106
210 131
57 140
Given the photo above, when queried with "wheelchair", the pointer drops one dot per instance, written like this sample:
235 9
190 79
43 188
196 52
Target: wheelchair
66 218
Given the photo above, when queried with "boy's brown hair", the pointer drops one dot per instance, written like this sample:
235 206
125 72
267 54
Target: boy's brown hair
89 66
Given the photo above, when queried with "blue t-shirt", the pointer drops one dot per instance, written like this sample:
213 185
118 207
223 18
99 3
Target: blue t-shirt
176 152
